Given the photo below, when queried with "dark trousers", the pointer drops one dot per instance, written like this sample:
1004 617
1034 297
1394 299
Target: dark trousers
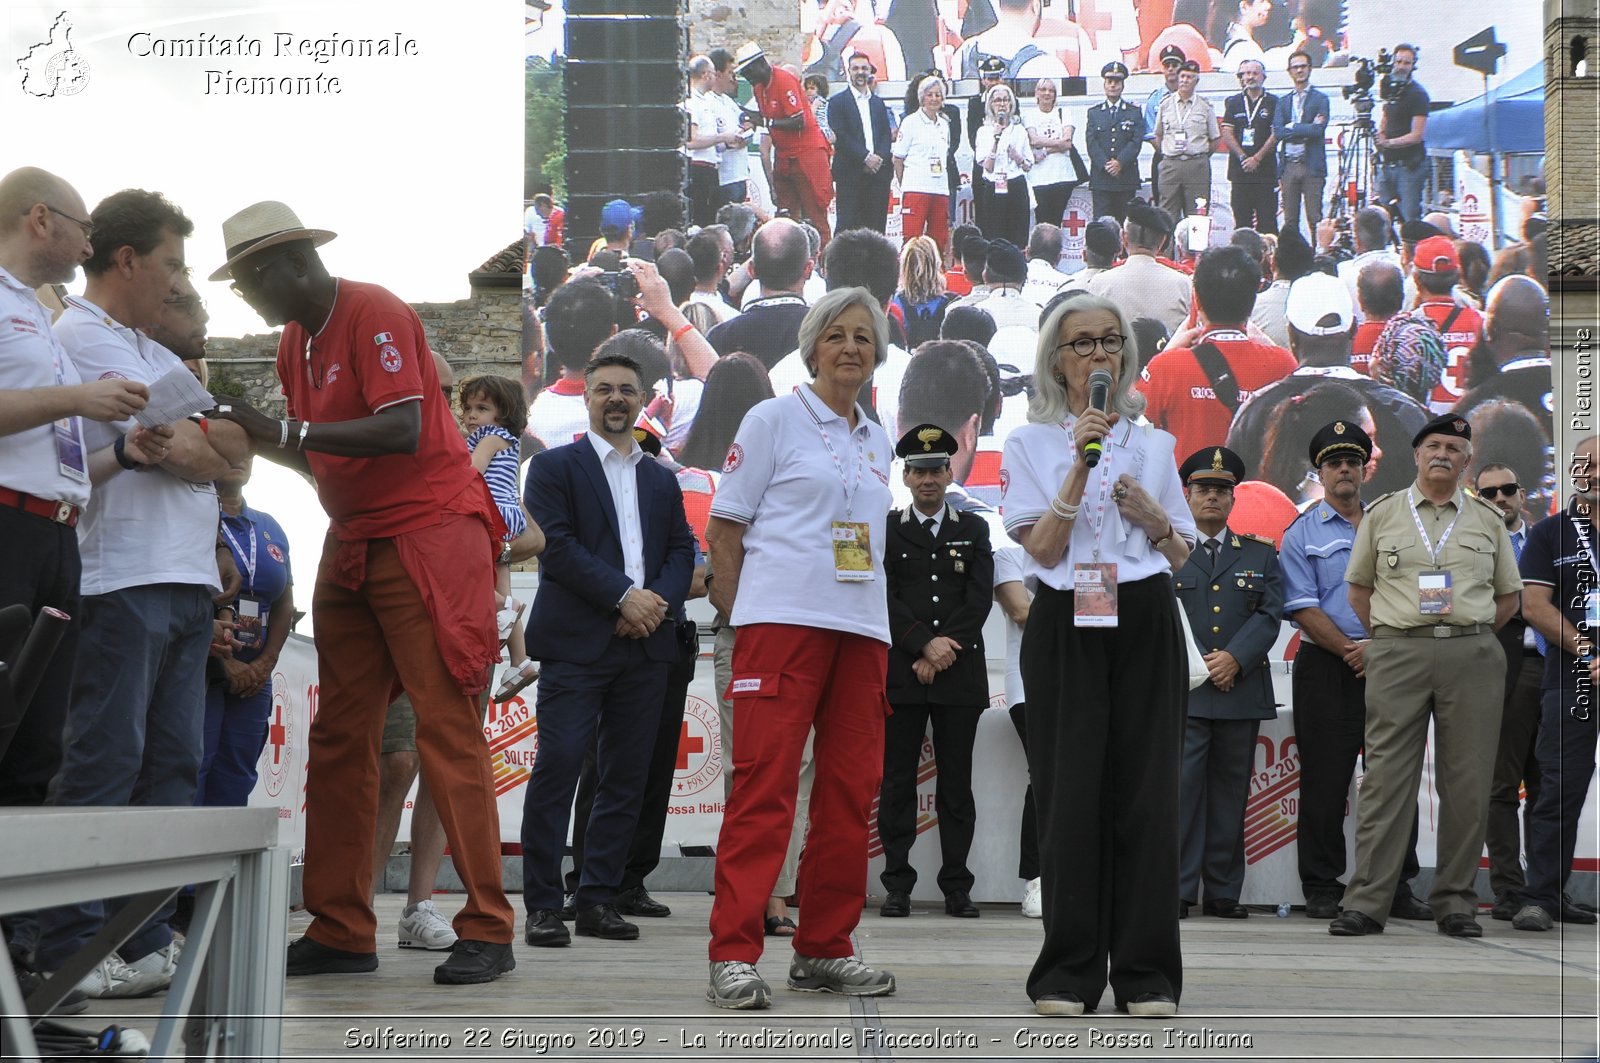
1255 206
235 731
704 192
1330 718
732 193
616 703
861 201
1105 732
1566 761
645 851
1155 178
1028 843
1113 202
1050 202
1004 217
133 732
1514 764
955 729
1218 758
42 569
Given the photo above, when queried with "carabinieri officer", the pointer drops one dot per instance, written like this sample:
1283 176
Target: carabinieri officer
940 573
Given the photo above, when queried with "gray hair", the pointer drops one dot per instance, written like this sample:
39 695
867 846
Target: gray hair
830 306
1052 82
700 66
933 81
988 100
1049 402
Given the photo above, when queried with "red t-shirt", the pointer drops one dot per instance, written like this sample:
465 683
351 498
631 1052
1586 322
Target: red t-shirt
1180 396
1366 338
956 282
782 97
1459 340
372 355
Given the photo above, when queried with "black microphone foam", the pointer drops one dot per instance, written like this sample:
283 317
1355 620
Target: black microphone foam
1099 397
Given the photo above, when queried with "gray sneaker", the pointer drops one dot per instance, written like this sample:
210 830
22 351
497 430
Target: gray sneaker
736 985
1532 917
846 975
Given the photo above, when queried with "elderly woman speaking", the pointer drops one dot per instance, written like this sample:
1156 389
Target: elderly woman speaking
796 537
1095 501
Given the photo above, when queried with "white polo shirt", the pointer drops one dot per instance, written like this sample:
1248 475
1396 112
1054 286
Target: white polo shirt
1036 460
50 461
140 528
1052 167
790 372
558 415
703 112
924 145
1011 566
781 482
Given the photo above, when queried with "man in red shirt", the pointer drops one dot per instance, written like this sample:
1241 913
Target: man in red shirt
802 182
1436 268
405 593
1380 292
1193 391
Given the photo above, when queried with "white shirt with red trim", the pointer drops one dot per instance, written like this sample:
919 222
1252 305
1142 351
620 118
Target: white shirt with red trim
558 415
31 357
780 480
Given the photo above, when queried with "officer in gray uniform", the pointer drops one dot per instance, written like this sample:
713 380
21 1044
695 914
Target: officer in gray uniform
1233 593
1115 133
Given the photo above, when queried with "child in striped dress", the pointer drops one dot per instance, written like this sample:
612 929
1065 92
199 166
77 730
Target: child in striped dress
495 413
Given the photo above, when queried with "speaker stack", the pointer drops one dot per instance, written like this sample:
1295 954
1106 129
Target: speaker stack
624 83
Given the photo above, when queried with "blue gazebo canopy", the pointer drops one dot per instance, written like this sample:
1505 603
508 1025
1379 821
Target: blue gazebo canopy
1518 118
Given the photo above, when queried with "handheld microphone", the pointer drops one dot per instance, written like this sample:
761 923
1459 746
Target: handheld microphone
1099 397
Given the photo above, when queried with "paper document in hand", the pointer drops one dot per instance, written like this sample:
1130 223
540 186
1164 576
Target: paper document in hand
174 397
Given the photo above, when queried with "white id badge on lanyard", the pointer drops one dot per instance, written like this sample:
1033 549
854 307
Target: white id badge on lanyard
1433 593
1094 594
1247 137
852 551
1591 610
1180 143
248 631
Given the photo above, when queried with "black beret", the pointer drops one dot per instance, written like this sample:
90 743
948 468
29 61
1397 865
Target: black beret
1332 439
648 441
1448 425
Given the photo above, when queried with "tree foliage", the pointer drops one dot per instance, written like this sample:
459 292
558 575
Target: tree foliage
544 135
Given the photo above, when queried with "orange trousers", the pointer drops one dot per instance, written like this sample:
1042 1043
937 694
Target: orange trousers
365 638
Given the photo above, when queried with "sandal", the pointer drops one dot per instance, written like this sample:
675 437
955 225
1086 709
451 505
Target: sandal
516 679
780 926
506 616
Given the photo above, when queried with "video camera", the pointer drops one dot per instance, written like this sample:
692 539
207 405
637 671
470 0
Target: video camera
1370 73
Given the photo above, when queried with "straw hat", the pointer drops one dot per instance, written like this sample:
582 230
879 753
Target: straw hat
260 226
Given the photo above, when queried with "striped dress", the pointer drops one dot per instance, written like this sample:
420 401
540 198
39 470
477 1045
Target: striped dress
502 477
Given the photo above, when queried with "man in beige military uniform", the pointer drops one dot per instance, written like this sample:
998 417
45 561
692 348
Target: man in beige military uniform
1431 575
1186 134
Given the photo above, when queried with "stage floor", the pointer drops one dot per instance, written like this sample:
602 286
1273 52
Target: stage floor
1257 989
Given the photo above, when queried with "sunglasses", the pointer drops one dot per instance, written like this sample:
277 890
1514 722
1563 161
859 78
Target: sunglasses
1506 490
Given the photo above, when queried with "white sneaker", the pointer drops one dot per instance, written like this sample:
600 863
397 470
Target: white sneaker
1032 904
422 927
113 978
163 963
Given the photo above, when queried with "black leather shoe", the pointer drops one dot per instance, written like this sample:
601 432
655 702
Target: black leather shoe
1322 905
602 921
312 957
569 910
897 905
472 962
959 904
1059 1004
1223 908
1409 907
545 929
1574 913
1506 907
1183 909
1460 925
637 901
1354 924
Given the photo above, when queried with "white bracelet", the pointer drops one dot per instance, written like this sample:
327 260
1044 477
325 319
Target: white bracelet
283 434
1064 510
305 426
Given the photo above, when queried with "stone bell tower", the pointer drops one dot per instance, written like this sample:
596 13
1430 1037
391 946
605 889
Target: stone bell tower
1572 134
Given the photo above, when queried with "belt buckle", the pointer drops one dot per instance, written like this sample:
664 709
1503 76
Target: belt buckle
1441 631
63 512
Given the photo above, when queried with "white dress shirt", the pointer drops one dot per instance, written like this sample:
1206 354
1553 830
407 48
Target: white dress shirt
622 476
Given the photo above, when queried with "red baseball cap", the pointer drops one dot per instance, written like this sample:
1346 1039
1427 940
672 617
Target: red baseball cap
1437 254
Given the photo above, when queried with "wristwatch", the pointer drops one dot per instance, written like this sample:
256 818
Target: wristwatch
1164 540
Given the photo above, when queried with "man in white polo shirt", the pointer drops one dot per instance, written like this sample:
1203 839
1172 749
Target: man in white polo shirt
149 544
45 467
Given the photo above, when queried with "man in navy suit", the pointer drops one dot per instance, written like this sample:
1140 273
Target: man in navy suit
1301 125
618 559
861 169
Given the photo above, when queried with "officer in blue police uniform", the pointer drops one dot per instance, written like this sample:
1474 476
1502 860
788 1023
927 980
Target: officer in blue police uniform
940 575
1233 593
1115 133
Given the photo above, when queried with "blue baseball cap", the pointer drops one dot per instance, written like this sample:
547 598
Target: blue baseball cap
617 215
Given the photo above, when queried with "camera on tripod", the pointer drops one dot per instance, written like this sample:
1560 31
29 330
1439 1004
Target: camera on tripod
1370 73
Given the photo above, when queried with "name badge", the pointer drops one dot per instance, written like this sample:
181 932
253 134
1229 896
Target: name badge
1433 593
249 627
936 167
852 551
1001 184
1592 610
69 450
1247 137
1094 594
1180 143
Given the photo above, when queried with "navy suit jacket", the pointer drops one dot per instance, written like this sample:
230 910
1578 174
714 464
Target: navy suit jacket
850 145
1308 131
574 614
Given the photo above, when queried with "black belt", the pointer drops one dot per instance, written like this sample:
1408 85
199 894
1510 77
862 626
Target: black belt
1433 631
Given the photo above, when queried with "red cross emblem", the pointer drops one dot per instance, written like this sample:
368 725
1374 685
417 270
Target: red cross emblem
687 744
